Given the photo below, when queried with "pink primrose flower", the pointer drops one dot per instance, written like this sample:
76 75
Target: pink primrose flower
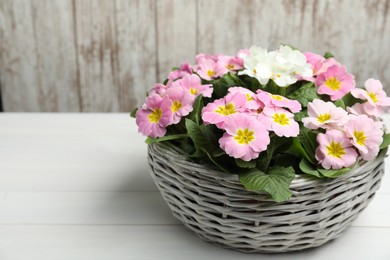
158 89
242 54
182 103
335 150
209 69
252 102
358 109
194 85
219 110
154 116
377 101
271 100
335 82
366 134
325 115
319 63
201 57
185 69
245 137
229 63
280 121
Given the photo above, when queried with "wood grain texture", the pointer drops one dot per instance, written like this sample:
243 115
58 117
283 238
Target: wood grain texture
56 55
87 55
18 59
98 52
176 34
357 32
136 36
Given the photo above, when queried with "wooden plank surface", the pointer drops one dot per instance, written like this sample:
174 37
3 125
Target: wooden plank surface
86 55
98 242
124 208
77 186
56 55
176 34
18 57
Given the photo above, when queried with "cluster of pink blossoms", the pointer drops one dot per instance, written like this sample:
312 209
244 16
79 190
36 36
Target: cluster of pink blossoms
349 134
329 76
167 104
247 118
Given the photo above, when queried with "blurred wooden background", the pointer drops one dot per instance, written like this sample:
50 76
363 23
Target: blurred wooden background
101 55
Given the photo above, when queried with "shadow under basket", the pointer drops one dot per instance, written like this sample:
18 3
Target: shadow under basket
219 210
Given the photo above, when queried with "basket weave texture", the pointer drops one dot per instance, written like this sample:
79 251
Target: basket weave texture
218 209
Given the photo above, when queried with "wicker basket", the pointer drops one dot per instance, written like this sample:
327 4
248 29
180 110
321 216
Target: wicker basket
219 210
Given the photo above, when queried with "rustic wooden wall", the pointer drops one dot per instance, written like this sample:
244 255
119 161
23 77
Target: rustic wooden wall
101 55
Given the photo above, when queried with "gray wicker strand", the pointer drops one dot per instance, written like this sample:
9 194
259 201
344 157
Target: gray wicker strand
218 209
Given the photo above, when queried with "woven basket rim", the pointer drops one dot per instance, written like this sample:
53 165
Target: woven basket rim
180 156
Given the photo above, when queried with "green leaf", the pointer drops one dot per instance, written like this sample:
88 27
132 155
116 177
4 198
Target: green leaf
328 55
134 112
150 140
222 164
276 182
305 94
386 141
306 167
222 85
203 137
334 173
245 164
297 149
195 115
339 103
350 100
291 46
309 143
299 115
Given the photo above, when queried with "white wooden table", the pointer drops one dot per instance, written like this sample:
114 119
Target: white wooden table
77 186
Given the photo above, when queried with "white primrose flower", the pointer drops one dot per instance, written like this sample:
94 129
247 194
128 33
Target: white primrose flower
282 66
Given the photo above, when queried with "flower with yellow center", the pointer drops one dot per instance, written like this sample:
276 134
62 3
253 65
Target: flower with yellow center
226 110
155 115
360 137
211 73
230 67
281 119
194 91
277 97
322 118
335 149
373 96
176 106
249 97
333 83
244 136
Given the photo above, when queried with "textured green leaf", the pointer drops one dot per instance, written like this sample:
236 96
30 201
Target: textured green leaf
308 168
203 138
134 112
386 141
339 103
305 94
299 115
350 100
334 173
309 143
276 182
297 149
245 164
150 140
328 55
195 115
